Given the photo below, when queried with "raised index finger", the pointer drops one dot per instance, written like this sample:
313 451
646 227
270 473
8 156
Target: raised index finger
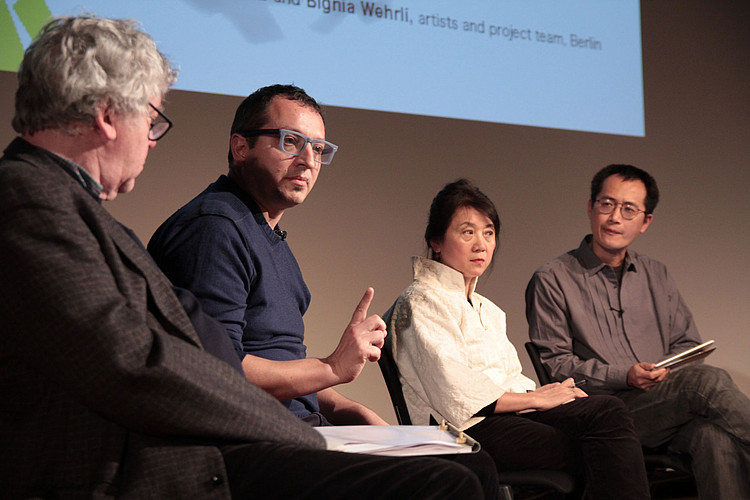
360 312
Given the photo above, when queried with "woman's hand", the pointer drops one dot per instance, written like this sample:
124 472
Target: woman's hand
544 398
558 393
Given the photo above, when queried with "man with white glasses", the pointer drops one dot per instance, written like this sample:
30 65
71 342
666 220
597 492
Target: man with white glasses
226 247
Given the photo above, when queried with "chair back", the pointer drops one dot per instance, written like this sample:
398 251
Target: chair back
536 361
391 375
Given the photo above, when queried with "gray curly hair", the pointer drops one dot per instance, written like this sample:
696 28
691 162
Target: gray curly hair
78 64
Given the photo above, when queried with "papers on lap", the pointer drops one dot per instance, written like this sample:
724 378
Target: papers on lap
694 354
396 440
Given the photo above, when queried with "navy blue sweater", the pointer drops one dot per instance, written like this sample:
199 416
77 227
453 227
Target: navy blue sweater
221 248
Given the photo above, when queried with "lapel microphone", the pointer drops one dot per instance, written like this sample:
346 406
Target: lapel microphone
282 234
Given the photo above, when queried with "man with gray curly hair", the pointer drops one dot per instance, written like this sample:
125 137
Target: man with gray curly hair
108 387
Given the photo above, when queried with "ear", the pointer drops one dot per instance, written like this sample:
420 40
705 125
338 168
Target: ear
646 222
104 122
590 208
239 147
436 246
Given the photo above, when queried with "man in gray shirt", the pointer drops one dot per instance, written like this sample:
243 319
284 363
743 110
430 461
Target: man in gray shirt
606 314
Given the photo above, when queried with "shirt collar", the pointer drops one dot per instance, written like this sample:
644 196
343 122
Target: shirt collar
80 174
593 264
275 234
450 278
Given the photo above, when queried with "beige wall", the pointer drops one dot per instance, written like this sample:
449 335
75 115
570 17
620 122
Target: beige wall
367 213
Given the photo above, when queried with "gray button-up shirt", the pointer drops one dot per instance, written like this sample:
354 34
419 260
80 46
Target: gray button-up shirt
589 326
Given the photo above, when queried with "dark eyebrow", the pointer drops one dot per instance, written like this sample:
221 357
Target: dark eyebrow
469 223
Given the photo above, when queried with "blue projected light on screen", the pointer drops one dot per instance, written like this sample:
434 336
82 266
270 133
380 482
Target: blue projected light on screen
567 64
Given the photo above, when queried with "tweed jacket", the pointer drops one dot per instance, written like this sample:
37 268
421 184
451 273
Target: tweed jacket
105 390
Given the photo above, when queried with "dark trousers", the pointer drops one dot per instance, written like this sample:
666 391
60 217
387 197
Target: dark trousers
593 437
269 471
699 411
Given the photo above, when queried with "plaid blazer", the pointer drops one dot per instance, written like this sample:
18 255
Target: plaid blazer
105 390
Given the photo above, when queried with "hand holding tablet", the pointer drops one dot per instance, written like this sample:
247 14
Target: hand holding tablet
693 354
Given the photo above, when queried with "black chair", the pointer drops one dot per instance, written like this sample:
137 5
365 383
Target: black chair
661 466
528 484
536 362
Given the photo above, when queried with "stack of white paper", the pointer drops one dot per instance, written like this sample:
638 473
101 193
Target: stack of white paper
396 440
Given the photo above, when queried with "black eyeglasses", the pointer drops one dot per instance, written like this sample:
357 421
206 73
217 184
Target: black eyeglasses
294 143
627 210
160 126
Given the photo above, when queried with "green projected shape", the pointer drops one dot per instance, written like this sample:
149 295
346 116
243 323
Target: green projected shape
33 14
11 49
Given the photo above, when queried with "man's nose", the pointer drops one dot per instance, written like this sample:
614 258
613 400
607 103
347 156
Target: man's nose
307 156
616 214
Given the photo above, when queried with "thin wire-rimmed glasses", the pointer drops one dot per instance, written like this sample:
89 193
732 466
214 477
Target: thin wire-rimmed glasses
294 143
160 126
628 210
